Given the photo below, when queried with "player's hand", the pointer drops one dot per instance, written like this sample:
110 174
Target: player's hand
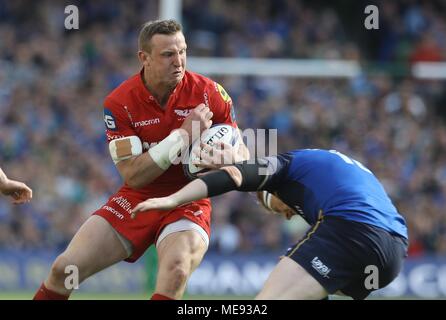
199 117
217 156
164 203
19 191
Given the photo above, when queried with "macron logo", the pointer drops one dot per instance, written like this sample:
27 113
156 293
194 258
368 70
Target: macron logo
320 267
144 123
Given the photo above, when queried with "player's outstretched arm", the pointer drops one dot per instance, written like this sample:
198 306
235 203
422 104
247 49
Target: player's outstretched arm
194 190
19 191
213 183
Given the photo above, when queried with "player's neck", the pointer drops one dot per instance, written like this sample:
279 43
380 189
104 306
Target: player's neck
159 91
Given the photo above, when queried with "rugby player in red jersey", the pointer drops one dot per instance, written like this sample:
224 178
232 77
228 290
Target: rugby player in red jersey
152 111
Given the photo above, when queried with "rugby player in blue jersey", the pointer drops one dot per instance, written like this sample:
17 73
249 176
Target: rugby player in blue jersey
355 227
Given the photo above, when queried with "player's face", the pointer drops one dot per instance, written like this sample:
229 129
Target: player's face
166 62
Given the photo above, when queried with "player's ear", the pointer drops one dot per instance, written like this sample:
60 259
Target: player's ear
143 57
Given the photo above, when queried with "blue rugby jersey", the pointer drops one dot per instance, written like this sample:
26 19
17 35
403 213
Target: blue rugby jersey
314 182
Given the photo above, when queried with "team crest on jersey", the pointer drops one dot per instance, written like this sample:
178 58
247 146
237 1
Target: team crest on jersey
109 120
224 95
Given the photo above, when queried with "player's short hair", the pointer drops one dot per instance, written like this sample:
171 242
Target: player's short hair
149 29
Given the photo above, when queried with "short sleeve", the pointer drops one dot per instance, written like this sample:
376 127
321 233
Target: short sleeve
117 120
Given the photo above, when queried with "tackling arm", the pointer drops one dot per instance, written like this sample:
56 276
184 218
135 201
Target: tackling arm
241 176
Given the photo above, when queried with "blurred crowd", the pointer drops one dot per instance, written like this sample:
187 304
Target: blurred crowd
53 82
409 31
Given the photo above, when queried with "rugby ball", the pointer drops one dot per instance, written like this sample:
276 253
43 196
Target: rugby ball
216 133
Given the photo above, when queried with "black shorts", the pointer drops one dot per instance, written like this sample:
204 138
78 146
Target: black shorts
344 255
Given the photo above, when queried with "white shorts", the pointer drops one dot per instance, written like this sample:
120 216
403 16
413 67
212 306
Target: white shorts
183 225
177 226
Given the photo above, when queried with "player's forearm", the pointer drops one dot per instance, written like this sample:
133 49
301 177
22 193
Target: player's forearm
143 169
139 171
193 191
218 180
240 176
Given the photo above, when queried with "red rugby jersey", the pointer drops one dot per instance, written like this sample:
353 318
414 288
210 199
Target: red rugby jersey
130 109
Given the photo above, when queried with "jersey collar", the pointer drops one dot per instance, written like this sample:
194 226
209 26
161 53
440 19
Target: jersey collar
147 95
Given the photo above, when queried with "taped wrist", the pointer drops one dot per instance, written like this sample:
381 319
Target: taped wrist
166 151
218 182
